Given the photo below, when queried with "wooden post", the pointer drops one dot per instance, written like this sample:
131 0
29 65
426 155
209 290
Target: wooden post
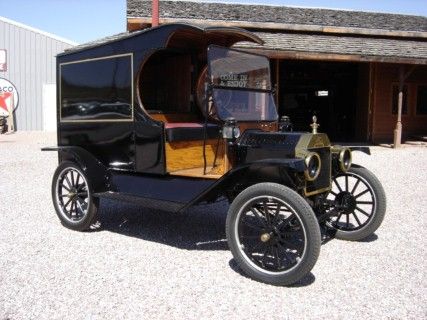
398 130
155 13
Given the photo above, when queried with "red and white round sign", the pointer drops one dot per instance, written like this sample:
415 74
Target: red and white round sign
9 97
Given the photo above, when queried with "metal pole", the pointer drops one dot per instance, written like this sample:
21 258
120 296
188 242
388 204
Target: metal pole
398 130
277 82
155 13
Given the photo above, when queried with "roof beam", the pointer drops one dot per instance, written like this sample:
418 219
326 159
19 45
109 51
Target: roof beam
297 55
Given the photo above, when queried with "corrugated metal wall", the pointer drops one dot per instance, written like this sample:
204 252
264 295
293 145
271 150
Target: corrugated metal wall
30 64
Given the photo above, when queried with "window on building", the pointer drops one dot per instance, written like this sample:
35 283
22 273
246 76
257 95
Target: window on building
422 99
395 100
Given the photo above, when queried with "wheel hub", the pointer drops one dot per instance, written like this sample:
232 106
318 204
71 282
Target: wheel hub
346 201
272 236
265 237
73 193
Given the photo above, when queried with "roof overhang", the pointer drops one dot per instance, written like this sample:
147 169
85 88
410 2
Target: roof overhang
135 23
237 34
186 35
339 48
178 35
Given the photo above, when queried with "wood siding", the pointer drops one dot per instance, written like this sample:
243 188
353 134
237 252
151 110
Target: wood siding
362 110
384 121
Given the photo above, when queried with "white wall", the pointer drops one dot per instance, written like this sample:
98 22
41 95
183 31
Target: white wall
49 107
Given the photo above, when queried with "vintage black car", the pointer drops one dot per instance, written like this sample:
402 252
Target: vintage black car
171 117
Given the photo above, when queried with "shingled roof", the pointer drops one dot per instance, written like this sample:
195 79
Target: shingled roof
334 47
278 15
291 32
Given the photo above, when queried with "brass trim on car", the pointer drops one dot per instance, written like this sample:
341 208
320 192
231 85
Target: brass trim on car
310 141
317 191
130 119
341 159
307 161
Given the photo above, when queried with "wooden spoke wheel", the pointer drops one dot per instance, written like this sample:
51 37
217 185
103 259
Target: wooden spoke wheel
72 197
273 234
361 203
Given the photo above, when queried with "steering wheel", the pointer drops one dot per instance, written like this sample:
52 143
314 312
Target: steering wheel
201 97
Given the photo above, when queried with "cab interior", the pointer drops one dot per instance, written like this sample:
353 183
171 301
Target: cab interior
171 87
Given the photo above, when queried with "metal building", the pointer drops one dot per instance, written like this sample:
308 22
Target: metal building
30 66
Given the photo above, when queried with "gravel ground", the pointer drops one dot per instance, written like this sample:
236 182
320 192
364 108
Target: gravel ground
156 265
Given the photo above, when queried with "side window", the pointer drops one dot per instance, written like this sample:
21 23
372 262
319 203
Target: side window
165 83
98 89
395 97
422 99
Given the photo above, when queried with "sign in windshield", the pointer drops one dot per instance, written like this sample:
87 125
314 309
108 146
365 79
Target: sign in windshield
235 69
241 85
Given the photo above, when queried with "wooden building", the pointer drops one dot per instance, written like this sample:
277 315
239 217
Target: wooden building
348 67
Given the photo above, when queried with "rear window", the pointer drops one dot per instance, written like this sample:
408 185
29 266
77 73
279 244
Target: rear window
97 89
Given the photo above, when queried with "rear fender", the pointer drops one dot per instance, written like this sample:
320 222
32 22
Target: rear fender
96 172
280 171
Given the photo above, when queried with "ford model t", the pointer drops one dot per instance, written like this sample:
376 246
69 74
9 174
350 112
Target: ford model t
171 117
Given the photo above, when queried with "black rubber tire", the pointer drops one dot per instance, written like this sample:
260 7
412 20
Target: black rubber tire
91 215
378 214
309 222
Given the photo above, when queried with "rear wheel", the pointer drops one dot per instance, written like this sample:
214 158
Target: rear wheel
361 200
273 234
72 197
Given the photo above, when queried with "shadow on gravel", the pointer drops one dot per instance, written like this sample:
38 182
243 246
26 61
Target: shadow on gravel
201 228
373 237
306 281
328 235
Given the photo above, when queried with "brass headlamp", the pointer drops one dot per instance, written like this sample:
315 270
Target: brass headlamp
345 159
343 156
312 166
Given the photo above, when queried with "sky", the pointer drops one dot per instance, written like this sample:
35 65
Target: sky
85 20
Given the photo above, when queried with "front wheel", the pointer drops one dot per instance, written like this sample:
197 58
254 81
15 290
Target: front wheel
273 234
72 197
361 200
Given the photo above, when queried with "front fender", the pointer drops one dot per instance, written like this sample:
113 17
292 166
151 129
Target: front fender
280 171
96 172
366 150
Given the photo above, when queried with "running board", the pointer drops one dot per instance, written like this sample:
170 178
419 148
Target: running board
156 204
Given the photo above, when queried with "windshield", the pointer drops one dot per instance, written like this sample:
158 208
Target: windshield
244 105
241 85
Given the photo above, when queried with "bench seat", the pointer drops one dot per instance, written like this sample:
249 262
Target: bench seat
190 131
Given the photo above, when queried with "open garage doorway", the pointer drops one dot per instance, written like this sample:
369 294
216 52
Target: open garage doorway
336 92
